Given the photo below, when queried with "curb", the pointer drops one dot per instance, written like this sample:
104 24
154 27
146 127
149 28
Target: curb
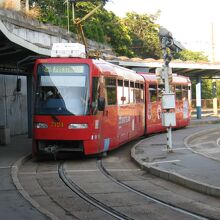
14 174
194 122
175 177
198 134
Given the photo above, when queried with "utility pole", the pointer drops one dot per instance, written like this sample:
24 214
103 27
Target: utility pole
213 42
214 88
68 16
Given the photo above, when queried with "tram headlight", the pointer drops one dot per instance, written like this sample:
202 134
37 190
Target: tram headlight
77 126
40 125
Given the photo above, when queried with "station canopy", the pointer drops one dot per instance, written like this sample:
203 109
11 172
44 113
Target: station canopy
188 68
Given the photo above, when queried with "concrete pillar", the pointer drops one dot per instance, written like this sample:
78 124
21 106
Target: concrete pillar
198 98
214 94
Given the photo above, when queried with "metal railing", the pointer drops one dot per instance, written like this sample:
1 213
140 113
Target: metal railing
206 103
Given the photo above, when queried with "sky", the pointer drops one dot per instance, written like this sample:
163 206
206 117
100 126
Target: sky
190 21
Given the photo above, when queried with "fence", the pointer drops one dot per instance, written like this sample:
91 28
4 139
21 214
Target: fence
206 103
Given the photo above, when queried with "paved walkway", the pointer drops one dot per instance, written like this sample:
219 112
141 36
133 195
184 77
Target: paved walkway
12 204
183 166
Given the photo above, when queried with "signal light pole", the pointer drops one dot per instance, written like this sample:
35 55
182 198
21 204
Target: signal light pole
165 73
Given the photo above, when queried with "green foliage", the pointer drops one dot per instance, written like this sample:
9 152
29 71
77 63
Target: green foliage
52 11
218 88
133 36
116 34
188 55
123 35
144 34
105 27
206 89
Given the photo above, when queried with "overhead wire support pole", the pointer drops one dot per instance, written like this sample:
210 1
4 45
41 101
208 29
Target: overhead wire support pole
78 23
68 16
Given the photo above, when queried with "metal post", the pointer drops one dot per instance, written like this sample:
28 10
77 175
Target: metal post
167 90
168 117
29 104
198 98
27 6
169 139
68 16
214 94
73 11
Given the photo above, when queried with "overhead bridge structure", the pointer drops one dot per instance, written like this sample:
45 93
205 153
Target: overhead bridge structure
188 68
22 40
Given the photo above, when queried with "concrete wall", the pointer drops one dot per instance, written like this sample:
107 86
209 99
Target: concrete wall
13 105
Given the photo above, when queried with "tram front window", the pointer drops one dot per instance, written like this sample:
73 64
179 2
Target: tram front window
62 89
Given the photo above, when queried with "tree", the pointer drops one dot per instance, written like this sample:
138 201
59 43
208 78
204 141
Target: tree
144 34
188 55
51 11
116 33
102 26
105 27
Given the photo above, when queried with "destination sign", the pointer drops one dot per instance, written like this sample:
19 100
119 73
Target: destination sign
62 68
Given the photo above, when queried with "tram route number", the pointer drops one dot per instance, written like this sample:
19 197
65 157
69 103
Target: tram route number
57 124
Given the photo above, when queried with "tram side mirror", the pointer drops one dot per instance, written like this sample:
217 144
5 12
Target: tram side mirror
101 103
18 85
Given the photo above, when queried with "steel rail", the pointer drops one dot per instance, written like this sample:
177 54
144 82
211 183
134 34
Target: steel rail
85 196
145 195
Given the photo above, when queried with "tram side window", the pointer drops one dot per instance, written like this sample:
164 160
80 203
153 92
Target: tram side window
185 92
153 93
142 92
178 92
126 92
95 94
132 92
120 94
110 88
137 93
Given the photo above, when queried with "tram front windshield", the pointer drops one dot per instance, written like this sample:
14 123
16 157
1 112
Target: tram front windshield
62 89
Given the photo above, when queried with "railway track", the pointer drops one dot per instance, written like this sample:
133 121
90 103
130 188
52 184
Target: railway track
110 188
76 189
147 196
114 212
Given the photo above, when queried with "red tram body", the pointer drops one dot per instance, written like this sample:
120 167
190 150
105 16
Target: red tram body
93 106
153 118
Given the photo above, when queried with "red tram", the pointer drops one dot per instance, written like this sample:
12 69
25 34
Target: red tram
93 106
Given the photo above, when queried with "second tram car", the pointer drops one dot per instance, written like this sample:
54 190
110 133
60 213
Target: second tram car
92 106
181 86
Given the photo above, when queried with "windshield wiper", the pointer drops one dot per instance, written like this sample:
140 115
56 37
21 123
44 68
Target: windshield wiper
55 118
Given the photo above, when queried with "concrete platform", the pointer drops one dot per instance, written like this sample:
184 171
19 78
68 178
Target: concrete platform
12 204
182 166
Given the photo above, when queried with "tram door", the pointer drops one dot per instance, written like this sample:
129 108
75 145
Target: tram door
109 117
